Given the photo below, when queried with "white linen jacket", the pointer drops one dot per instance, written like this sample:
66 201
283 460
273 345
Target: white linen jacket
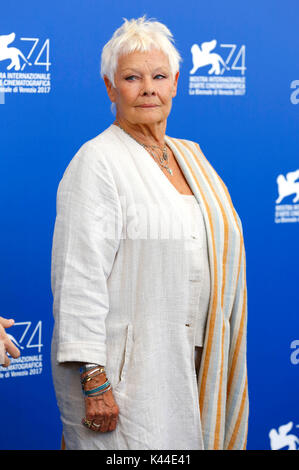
124 298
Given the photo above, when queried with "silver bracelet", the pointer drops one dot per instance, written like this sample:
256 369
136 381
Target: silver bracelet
91 375
87 367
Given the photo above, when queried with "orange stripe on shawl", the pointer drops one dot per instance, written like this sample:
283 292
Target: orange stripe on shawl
224 261
239 340
231 206
239 419
234 365
236 353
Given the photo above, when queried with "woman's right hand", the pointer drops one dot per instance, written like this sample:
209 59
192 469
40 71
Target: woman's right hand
101 410
6 345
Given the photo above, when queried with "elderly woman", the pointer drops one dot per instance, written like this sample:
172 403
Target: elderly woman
148 274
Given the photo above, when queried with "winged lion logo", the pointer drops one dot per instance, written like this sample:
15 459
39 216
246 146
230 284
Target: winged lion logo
288 185
11 53
281 439
202 56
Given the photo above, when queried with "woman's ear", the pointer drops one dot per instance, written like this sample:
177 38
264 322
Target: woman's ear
110 89
175 84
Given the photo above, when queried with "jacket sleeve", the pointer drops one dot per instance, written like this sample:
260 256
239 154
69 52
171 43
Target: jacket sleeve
237 410
85 242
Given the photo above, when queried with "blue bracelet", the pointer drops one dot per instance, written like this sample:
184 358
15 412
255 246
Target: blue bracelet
96 394
94 390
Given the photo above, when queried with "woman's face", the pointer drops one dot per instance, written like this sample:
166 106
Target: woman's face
144 87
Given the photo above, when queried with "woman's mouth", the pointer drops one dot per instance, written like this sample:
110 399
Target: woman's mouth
147 106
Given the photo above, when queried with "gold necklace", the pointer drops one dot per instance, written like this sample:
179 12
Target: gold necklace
148 148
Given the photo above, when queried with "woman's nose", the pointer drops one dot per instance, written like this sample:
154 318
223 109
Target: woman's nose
148 88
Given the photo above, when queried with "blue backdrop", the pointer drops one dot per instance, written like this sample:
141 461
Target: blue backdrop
244 114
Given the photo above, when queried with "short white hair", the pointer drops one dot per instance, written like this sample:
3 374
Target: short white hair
141 35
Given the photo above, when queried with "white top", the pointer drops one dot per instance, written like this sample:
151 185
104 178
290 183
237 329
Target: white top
123 299
200 263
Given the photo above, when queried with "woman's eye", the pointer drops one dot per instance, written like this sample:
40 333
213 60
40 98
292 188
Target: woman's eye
131 78
159 76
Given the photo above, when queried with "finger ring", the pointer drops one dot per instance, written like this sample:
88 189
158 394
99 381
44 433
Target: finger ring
96 425
87 423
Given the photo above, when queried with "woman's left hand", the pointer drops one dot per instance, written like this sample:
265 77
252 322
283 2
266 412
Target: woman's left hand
101 412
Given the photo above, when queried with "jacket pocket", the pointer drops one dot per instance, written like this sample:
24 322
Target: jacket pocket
126 357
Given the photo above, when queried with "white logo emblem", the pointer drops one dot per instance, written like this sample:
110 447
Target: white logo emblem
11 53
287 185
212 81
203 56
281 439
13 77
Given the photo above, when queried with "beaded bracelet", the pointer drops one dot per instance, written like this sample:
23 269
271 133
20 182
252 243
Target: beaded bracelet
101 387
